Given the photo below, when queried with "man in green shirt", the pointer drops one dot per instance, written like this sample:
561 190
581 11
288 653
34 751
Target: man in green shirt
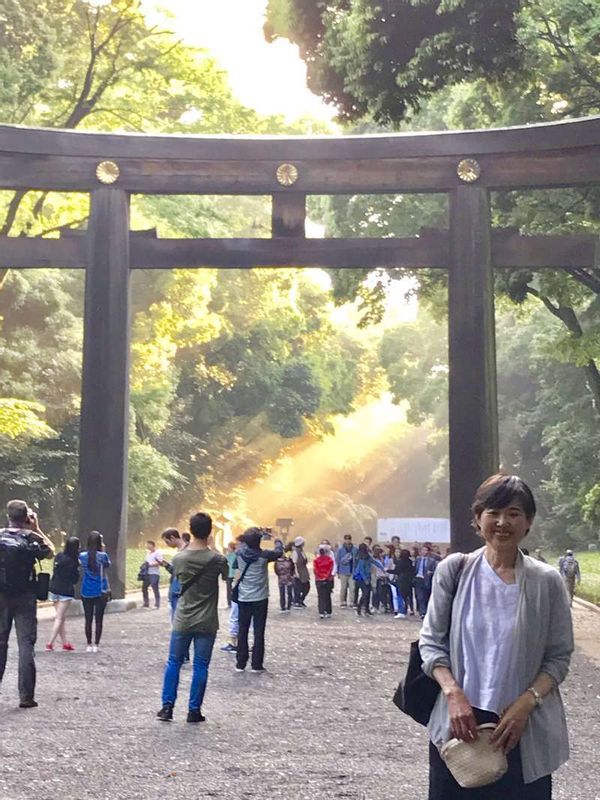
197 568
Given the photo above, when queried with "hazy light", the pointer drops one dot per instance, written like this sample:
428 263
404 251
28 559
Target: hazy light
268 77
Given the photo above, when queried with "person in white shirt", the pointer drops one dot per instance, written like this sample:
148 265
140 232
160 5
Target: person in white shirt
154 560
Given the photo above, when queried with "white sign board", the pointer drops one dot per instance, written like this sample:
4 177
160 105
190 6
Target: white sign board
414 529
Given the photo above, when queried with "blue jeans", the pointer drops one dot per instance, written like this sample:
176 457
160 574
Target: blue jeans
178 648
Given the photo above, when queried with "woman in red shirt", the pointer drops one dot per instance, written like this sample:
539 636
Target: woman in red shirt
323 567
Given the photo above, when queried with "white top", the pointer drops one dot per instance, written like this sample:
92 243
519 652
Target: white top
153 560
488 635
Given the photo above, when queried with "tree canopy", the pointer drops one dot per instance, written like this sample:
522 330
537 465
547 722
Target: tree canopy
383 59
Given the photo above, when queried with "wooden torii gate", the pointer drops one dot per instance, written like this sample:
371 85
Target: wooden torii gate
464 165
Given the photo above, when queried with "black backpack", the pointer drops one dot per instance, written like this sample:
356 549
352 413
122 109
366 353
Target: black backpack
17 559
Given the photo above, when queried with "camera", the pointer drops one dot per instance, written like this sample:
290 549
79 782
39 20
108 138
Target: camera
267 533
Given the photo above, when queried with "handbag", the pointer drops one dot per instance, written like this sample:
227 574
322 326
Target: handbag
107 593
235 592
143 571
42 585
417 692
476 763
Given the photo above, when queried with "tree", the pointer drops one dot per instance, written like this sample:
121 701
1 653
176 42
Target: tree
380 60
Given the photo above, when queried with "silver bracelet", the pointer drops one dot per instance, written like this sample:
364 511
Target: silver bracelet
537 696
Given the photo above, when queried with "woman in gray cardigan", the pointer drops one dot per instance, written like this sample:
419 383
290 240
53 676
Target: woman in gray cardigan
499 651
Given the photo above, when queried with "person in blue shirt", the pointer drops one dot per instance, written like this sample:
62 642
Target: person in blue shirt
362 576
94 588
344 562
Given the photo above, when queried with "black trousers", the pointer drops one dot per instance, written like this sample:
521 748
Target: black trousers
324 589
256 613
20 609
365 596
286 596
94 607
443 786
301 589
154 582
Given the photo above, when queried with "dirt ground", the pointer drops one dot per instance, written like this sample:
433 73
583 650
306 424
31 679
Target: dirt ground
319 724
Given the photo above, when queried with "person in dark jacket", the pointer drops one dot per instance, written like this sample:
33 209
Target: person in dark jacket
403 576
284 569
21 543
425 566
253 596
362 577
302 576
62 590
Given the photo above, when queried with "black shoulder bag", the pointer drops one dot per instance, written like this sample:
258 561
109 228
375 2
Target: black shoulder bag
42 584
417 692
235 592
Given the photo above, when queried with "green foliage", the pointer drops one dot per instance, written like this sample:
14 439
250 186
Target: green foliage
22 418
415 357
383 59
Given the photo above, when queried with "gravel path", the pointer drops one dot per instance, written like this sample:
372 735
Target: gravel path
319 724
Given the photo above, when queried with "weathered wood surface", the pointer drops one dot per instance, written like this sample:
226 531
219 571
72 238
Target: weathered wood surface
564 135
288 215
430 250
473 404
105 379
425 173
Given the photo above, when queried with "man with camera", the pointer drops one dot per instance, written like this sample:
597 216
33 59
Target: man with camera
21 544
251 592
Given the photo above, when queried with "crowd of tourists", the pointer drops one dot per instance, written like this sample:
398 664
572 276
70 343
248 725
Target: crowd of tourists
496 637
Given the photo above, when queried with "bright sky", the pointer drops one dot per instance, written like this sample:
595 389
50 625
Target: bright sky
268 77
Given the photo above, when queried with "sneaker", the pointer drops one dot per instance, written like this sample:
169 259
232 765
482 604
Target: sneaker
258 669
68 646
166 713
229 648
399 616
343 605
95 648
283 610
195 716
240 669
28 703
322 616
89 649
49 647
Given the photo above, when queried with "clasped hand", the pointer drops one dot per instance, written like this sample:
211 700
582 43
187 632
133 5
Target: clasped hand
509 730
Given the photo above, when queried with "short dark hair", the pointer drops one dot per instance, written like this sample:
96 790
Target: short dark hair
200 525
17 511
149 541
499 491
252 537
170 533
186 537
370 538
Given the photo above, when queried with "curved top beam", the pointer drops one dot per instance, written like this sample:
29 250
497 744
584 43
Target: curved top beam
548 155
564 135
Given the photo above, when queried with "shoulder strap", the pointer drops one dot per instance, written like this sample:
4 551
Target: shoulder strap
192 581
244 571
457 577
